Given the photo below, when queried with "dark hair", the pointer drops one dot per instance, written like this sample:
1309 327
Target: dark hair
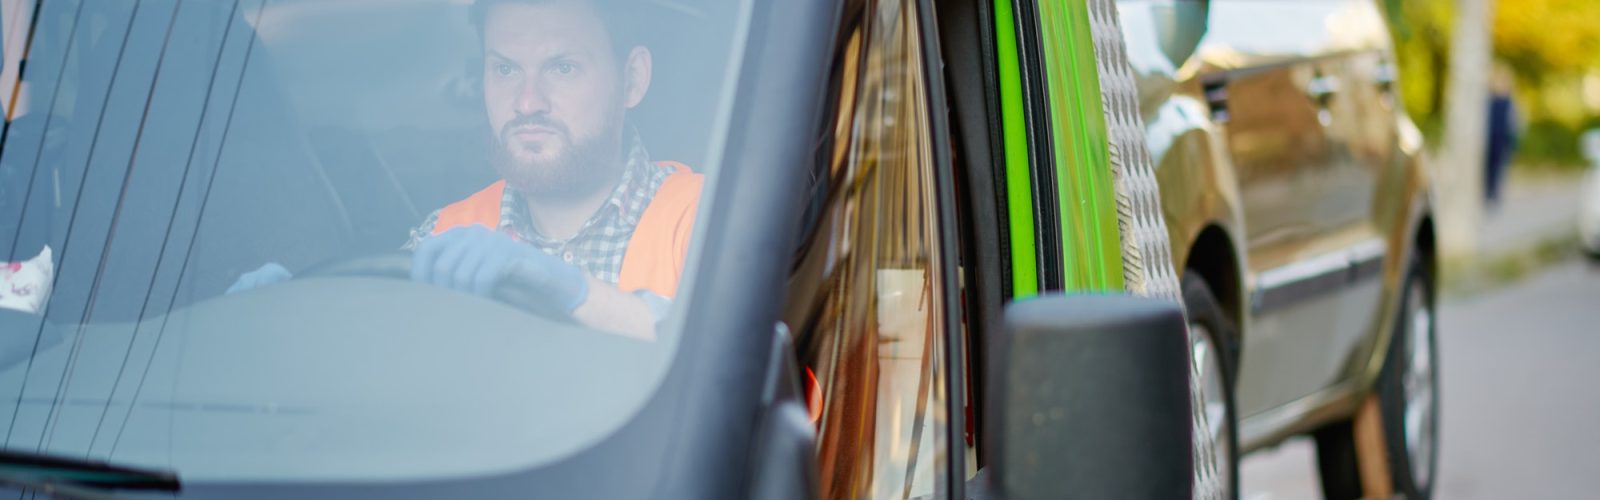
614 14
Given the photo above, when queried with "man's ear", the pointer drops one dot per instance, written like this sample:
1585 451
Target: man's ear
636 74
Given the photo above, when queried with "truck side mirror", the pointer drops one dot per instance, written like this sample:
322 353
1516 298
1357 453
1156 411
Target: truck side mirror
1180 26
1089 398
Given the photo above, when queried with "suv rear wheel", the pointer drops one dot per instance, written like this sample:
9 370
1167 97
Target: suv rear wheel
1408 405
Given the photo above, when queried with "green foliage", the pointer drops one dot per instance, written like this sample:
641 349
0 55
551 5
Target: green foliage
1549 45
1544 38
1552 143
1421 30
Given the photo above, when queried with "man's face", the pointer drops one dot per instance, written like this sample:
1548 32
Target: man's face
555 92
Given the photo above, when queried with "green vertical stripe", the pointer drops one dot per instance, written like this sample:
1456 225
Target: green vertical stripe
1091 244
1014 129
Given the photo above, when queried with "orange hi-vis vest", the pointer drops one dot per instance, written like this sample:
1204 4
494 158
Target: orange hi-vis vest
660 243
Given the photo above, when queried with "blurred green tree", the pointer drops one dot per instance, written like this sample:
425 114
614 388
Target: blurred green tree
1421 30
1552 47
1541 39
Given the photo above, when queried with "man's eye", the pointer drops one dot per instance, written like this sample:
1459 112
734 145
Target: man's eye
566 68
503 69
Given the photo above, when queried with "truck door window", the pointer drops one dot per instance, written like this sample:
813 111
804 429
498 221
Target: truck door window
867 292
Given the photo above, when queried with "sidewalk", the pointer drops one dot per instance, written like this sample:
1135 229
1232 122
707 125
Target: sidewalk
1533 208
1535 224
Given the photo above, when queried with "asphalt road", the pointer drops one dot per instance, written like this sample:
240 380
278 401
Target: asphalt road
1520 371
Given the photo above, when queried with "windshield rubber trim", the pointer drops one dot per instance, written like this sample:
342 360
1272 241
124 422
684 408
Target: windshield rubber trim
967 34
1046 184
938 103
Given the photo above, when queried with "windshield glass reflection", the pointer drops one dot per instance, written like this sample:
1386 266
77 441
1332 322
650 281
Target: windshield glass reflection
358 240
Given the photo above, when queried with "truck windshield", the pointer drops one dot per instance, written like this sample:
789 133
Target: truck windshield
348 240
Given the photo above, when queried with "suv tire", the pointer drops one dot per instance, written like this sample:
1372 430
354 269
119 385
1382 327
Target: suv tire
1408 405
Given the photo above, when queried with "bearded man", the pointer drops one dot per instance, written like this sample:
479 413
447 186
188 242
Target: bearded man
582 215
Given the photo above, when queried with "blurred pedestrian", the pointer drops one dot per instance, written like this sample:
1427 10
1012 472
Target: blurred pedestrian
1503 138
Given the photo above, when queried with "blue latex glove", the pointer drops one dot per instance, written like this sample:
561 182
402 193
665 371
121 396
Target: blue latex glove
476 259
271 272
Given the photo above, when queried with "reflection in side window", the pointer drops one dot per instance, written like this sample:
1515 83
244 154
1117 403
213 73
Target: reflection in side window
15 25
866 283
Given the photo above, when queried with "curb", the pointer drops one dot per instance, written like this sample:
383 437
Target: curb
1463 277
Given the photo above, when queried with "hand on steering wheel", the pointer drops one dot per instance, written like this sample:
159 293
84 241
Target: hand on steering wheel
267 274
477 260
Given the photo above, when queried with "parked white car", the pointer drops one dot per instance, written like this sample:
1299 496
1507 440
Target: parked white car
1589 212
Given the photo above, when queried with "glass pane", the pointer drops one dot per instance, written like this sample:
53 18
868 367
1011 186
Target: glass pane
161 153
867 283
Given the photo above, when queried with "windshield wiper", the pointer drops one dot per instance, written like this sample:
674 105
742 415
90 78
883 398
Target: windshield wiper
85 479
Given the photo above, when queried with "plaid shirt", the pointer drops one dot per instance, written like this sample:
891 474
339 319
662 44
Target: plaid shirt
598 247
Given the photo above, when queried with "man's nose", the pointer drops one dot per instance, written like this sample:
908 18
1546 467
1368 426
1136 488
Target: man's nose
531 100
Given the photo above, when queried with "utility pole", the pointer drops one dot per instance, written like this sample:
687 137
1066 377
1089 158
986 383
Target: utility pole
1459 172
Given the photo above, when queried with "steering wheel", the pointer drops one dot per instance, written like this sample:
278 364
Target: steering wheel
396 264
393 264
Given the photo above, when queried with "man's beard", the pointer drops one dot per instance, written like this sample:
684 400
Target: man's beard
585 166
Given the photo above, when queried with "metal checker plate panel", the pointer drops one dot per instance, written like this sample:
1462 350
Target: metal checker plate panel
1146 251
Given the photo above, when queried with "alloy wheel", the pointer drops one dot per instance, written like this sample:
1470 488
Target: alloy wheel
1212 401
1420 384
